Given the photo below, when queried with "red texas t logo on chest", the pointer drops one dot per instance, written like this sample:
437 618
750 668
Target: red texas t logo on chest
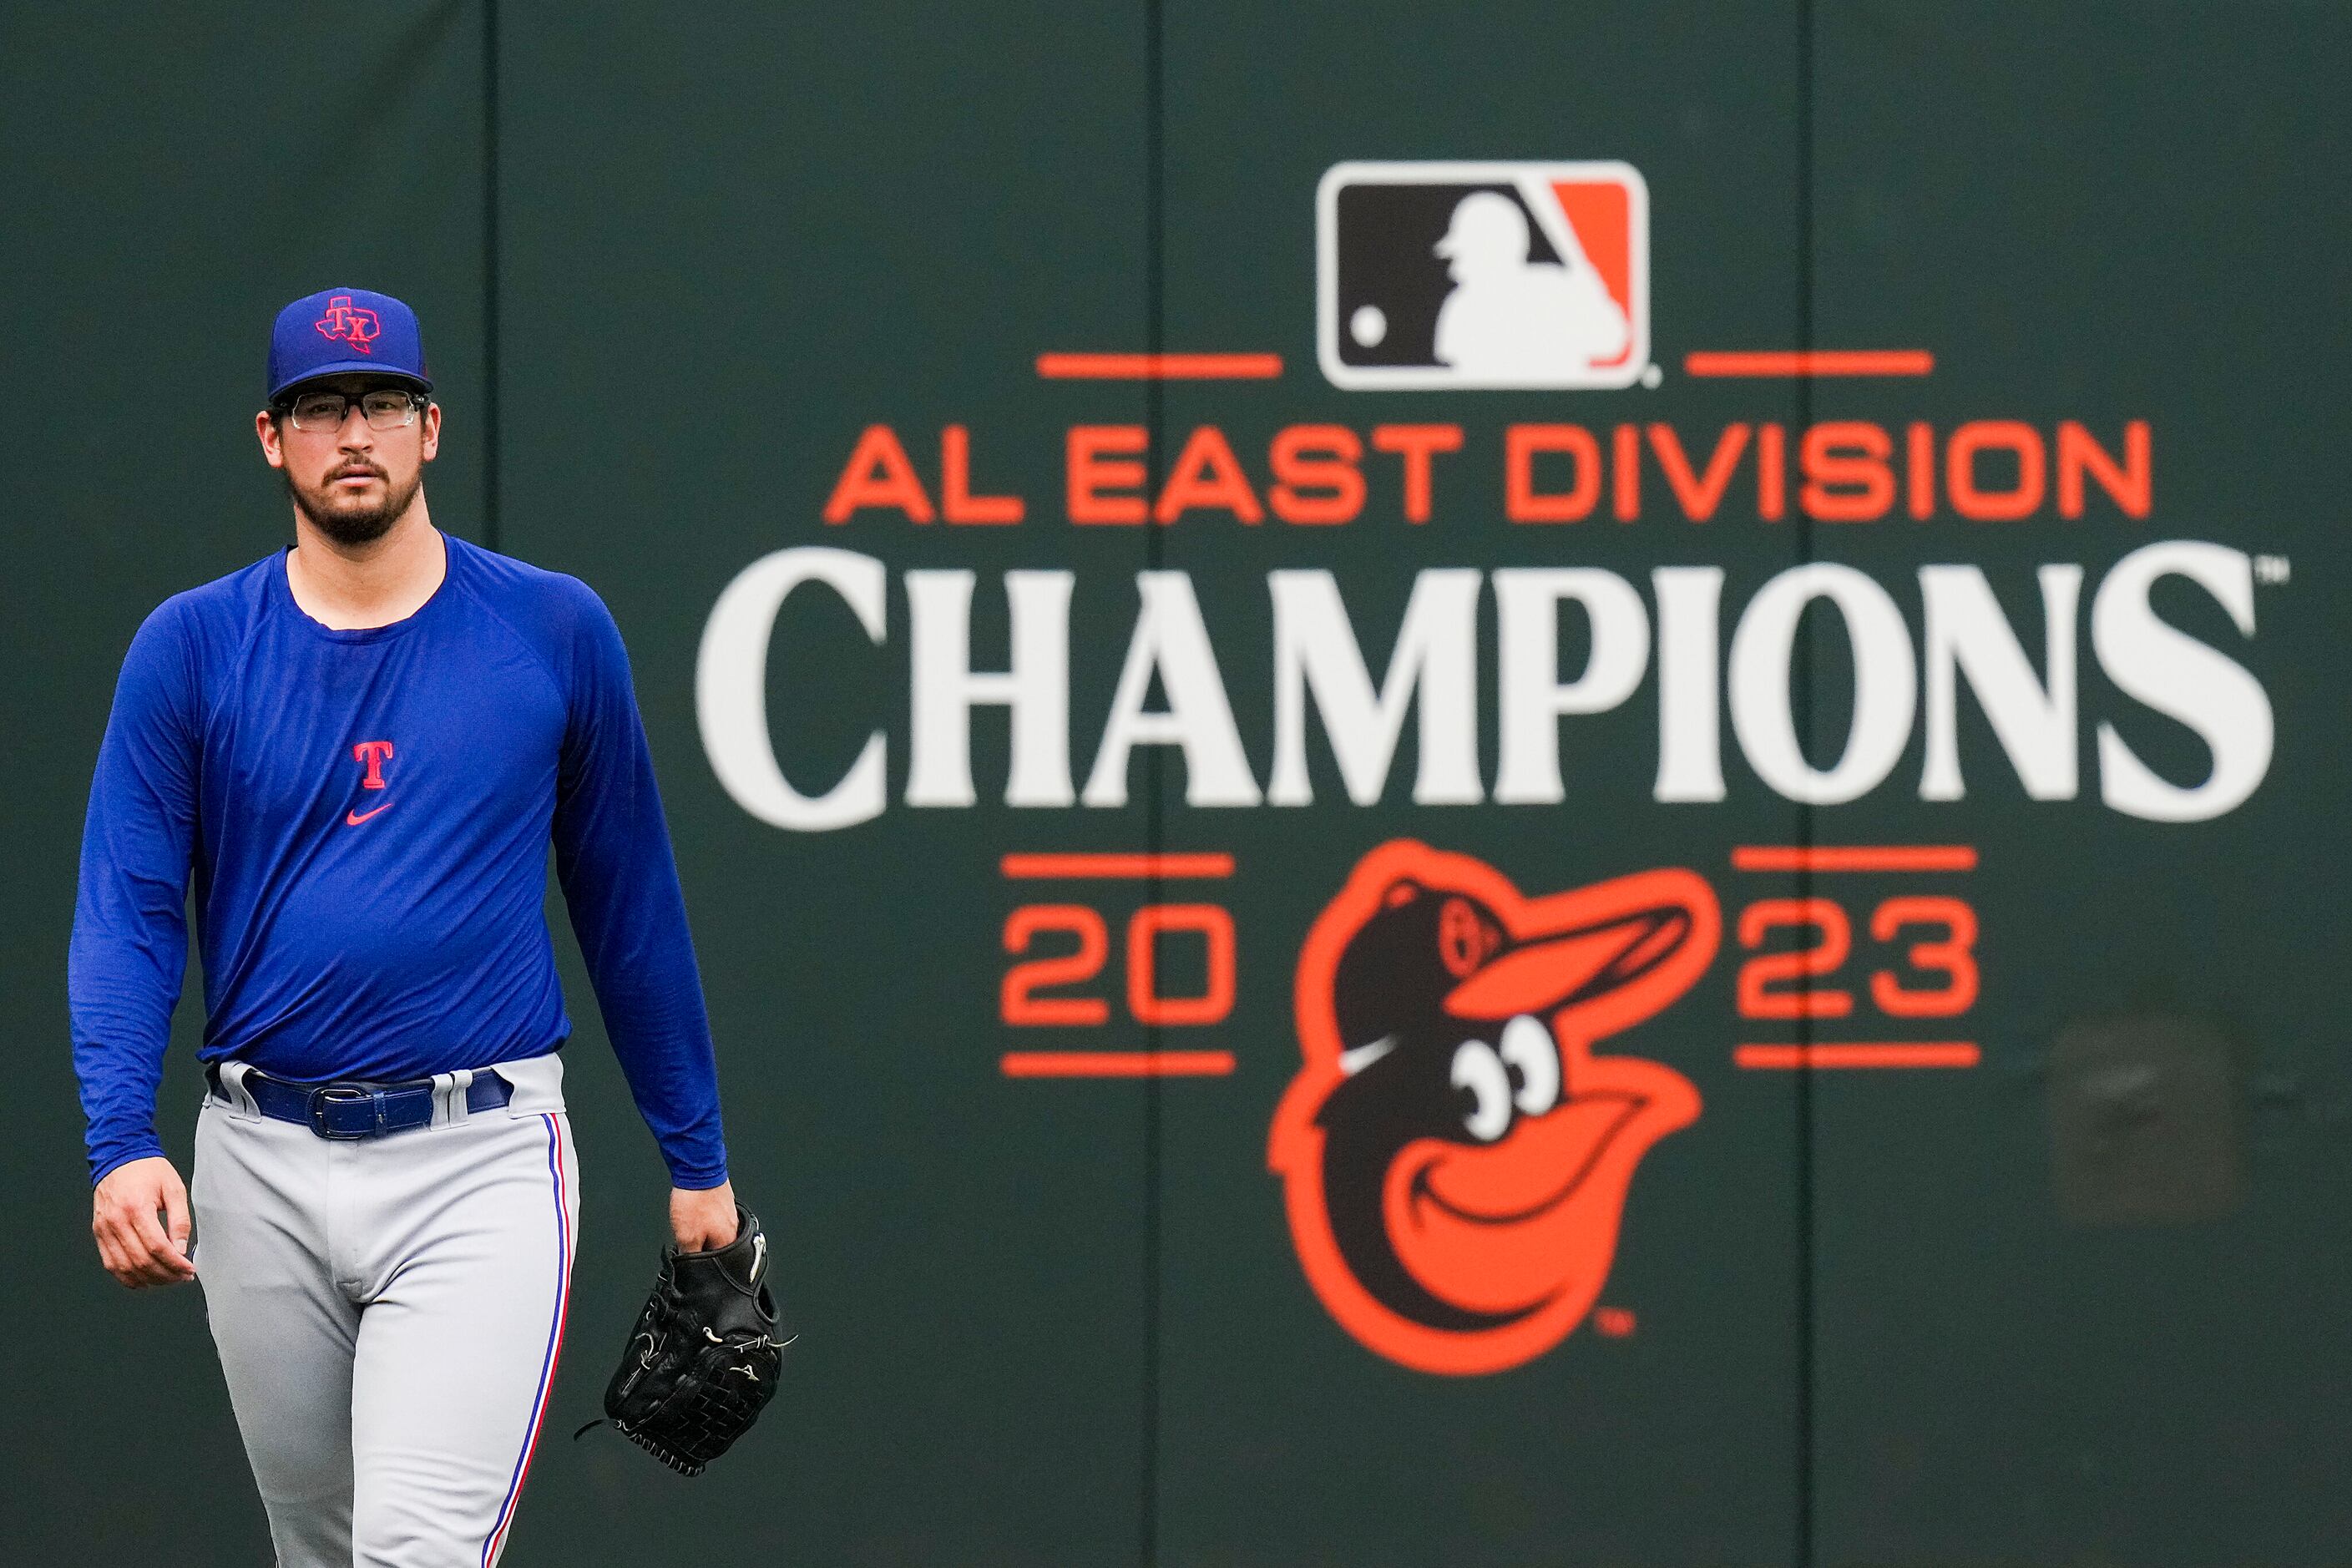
369 754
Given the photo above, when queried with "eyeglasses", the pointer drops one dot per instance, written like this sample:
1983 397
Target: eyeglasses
388 408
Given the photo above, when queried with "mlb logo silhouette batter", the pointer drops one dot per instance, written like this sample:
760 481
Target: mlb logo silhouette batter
1483 276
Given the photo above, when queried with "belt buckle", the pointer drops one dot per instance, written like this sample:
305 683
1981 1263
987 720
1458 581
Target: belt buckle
332 1094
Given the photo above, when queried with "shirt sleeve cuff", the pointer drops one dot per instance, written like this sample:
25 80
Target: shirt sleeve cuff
106 1166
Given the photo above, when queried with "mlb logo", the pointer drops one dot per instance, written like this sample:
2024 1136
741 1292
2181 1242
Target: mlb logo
1513 275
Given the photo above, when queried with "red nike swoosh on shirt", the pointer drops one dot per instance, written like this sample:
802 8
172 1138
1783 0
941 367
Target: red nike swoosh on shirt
354 819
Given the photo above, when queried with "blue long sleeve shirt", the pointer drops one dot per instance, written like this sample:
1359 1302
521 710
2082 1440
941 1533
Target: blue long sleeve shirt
366 816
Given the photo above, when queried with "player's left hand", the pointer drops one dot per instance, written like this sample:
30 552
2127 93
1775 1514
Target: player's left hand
702 1220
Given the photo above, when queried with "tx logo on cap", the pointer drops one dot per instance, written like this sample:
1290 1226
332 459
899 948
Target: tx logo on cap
1437 275
356 325
1455 1158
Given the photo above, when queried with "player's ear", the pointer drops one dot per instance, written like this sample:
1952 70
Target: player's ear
432 435
265 425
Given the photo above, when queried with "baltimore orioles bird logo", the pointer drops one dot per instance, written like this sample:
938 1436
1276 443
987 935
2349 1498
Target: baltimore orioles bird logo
1454 1159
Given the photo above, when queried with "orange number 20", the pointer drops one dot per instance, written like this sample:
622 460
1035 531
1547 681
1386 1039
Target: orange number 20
1018 1002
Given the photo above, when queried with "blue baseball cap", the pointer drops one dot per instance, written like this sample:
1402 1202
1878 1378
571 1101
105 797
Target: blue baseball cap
339 330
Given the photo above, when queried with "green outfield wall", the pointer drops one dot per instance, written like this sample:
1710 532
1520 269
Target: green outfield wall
1905 791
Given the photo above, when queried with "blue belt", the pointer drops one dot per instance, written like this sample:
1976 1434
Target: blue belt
351 1110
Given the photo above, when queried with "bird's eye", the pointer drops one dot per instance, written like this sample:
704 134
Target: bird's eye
1477 1068
1526 1046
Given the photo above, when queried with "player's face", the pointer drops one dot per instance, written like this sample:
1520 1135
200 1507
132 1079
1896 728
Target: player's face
351 479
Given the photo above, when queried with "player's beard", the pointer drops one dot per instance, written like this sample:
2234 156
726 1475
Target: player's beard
349 522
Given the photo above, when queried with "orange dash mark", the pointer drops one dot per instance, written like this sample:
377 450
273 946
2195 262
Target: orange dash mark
1159 367
1861 1054
1116 866
1854 858
1116 1064
1811 361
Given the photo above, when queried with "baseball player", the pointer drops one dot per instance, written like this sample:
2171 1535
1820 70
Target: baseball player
361 748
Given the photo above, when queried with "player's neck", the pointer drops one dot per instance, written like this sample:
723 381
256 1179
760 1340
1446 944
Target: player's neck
350 587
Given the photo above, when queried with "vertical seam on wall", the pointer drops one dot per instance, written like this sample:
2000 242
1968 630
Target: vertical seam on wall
1155 777
489 424
1808 828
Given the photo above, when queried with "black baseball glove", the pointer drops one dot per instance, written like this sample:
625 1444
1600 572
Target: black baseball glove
704 1359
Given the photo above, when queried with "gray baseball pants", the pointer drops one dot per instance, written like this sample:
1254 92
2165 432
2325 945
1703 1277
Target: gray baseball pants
388 1314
